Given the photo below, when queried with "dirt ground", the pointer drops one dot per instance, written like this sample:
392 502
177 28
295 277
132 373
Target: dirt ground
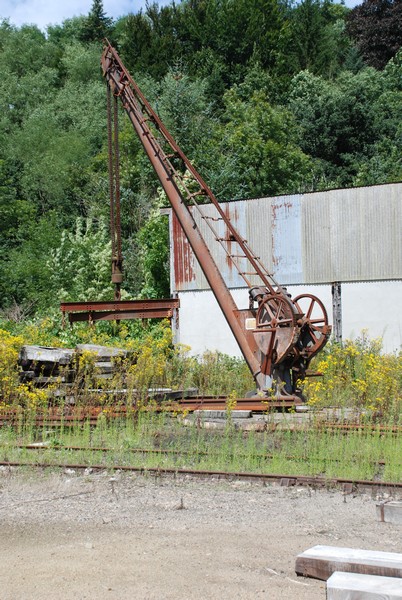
97 536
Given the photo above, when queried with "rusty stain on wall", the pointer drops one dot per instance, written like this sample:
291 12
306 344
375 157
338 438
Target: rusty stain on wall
306 239
183 258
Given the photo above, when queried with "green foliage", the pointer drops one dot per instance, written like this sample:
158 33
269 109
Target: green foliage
356 374
47 153
149 41
214 38
69 31
347 123
265 97
184 108
24 273
26 50
96 26
80 267
262 140
318 41
153 241
213 373
376 28
79 63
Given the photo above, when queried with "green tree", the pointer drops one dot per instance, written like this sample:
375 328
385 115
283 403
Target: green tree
135 36
262 141
149 41
184 108
49 131
68 32
80 266
26 50
384 155
153 244
317 39
376 28
344 123
52 128
212 38
96 25
24 273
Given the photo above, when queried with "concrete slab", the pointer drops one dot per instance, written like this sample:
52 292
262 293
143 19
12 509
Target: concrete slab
320 562
222 414
390 512
354 586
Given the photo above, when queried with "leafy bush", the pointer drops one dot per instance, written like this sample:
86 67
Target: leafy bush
356 374
11 391
80 267
9 347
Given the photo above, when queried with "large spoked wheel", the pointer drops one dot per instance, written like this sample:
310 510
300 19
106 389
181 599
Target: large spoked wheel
276 311
276 327
314 325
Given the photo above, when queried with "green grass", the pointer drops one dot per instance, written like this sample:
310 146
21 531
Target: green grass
312 451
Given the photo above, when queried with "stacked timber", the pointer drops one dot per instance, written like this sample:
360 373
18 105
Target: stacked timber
43 365
66 372
60 371
105 358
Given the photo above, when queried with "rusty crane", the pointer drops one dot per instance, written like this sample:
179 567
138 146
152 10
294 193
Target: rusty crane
277 335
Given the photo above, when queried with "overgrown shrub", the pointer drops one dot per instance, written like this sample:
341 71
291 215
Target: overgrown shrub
357 374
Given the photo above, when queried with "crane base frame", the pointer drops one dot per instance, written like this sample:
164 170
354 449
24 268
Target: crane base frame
120 310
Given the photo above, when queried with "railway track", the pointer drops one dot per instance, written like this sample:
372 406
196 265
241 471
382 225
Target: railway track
161 451
346 485
72 416
51 452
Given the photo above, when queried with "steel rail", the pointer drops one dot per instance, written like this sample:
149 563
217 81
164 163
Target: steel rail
168 451
284 479
91 415
260 427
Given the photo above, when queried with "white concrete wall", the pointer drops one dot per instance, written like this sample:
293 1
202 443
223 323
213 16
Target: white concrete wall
374 307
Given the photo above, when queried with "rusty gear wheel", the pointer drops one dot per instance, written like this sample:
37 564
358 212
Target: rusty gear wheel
315 330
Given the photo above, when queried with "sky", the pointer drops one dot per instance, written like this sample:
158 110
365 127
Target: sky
54 12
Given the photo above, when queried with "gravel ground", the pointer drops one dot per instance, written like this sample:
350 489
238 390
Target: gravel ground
97 536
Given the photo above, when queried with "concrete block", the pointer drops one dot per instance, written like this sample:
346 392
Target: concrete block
321 561
222 414
354 586
390 512
103 353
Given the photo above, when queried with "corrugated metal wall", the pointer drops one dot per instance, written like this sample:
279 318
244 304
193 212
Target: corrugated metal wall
339 235
353 235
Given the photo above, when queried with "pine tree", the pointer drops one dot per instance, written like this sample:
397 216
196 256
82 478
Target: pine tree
97 25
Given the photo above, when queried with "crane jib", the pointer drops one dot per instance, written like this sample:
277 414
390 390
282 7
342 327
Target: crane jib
277 335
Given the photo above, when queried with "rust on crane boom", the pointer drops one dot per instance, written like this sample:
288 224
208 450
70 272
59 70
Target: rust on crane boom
277 335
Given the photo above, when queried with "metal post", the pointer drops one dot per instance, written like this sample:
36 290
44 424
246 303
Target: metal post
337 310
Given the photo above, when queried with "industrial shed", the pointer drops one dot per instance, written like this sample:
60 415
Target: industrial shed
344 246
